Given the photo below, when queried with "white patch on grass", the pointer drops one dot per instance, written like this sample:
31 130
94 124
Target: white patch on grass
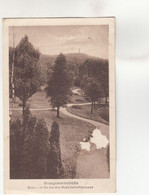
98 139
85 146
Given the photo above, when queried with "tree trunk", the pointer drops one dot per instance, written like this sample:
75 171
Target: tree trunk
92 108
58 112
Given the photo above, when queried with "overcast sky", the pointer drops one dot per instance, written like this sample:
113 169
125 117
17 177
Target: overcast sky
92 40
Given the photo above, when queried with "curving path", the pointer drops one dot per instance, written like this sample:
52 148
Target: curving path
76 91
103 127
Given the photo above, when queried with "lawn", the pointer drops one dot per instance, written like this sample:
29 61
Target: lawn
84 111
38 100
72 131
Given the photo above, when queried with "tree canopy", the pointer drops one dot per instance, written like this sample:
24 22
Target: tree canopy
92 90
59 84
26 73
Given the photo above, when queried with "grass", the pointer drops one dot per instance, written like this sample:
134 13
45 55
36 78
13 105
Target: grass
104 113
72 131
100 116
38 100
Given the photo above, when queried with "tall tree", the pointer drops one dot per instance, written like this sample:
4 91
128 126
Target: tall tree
104 81
26 73
92 91
35 150
59 84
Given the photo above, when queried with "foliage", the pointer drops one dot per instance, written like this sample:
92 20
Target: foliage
97 69
35 151
92 90
103 79
16 144
93 67
59 84
29 149
26 73
55 167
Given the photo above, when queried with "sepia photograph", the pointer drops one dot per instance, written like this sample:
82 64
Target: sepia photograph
61 112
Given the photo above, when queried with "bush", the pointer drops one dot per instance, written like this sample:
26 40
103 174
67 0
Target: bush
55 167
35 151
29 148
16 144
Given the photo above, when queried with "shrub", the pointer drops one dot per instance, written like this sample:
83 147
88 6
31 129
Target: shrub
55 167
16 144
29 148
35 151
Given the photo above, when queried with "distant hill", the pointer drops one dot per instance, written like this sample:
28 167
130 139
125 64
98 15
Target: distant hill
74 62
70 57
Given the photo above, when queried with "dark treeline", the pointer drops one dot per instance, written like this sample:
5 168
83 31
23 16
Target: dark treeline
93 79
34 153
78 64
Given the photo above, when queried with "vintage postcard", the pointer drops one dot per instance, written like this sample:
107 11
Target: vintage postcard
59 105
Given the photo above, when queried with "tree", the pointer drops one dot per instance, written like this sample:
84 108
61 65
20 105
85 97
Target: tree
35 150
59 84
16 145
29 149
92 90
98 69
104 80
26 73
55 167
